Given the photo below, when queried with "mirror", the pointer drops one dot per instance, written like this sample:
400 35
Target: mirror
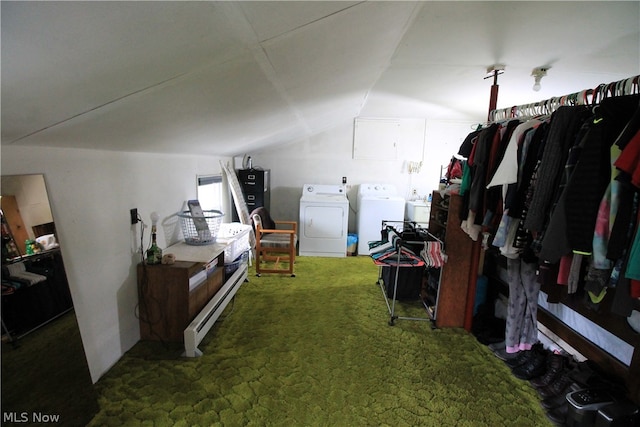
45 375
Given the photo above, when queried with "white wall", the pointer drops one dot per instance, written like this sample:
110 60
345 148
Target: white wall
91 193
326 158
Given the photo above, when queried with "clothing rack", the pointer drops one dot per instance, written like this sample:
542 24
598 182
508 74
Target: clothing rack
395 246
587 97
610 323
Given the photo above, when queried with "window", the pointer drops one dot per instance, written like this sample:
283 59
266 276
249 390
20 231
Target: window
210 192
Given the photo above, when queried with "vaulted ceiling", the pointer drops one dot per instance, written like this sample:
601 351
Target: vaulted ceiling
225 78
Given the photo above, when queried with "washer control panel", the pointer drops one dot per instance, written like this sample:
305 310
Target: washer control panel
377 190
323 189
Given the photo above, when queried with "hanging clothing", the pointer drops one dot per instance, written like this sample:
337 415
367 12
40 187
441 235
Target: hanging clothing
528 177
507 175
479 167
633 267
600 269
553 242
507 171
467 145
552 193
593 171
514 239
505 137
623 192
521 331
493 199
619 237
622 303
478 163
629 160
564 126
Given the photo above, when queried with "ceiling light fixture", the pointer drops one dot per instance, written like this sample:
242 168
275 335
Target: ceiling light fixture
538 73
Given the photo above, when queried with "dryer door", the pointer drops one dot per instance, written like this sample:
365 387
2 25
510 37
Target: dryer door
323 222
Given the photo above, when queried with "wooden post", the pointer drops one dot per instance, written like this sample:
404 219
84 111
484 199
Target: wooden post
493 97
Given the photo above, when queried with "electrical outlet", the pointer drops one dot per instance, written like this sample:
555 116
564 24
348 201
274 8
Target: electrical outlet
134 216
344 179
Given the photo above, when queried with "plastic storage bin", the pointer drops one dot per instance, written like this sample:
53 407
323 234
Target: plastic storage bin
230 268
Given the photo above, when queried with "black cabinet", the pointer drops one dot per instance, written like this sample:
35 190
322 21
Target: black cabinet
255 188
27 306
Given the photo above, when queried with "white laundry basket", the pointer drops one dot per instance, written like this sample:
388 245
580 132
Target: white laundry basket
199 233
236 236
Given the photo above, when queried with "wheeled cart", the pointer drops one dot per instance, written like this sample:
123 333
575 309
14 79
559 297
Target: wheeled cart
402 265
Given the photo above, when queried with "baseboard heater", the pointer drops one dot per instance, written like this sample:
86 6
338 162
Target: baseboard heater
200 326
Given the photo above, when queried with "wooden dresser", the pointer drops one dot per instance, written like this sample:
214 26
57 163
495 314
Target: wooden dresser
170 296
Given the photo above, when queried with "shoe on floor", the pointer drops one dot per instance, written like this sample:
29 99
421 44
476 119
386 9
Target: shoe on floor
557 387
502 354
497 346
555 364
535 366
559 415
521 358
555 401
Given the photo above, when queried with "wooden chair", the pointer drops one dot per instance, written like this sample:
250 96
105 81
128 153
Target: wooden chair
274 245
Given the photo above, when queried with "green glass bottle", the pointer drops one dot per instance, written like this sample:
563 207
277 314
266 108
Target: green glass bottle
154 253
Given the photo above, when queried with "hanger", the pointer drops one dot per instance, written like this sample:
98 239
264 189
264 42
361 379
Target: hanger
598 93
552 104
631 86
583 96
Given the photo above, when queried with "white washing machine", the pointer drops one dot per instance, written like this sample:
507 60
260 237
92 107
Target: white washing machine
376 203
324 220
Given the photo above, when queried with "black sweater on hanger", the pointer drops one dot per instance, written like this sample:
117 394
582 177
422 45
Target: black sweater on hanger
593 170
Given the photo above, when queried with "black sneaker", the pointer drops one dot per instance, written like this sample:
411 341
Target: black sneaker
521 358
496 346
557 387
559 415
502 354
555 401
534 367
555 364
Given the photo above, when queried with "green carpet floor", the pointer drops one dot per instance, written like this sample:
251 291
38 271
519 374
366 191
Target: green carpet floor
46 377
316 350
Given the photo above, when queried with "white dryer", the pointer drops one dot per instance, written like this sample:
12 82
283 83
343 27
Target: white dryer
376 203
324 220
